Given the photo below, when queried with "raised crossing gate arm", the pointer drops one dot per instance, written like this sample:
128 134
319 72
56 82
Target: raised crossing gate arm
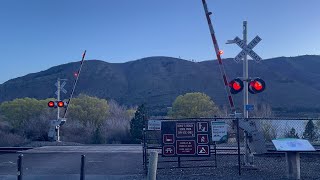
217 52
74 84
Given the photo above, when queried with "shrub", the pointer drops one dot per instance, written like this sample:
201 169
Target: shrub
9 139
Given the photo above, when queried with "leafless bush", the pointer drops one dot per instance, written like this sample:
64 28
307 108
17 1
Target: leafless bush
36 129
5 126
9 139
261 110
74 131
116 127
269 130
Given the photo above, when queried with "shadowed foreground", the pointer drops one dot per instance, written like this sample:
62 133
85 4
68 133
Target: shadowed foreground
125 162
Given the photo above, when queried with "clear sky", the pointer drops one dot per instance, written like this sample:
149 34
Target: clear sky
38 34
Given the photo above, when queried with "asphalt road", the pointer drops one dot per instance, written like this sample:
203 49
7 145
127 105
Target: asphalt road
125 162
67 166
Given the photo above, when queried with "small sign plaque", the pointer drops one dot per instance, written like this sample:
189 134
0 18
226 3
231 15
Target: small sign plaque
291 144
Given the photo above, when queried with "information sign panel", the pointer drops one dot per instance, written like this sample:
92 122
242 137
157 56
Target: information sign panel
219 130
154 125
186 147
185 138
185 130
291 144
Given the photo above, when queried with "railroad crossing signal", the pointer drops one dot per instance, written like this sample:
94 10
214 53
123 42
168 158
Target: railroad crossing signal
55 104
255 86
247 49
236 86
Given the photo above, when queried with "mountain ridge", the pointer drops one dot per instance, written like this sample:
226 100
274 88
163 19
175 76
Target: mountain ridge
292 82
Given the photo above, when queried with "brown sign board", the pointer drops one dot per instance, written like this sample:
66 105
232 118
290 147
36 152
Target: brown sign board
185 138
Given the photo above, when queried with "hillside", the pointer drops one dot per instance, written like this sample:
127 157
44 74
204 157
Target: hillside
292 82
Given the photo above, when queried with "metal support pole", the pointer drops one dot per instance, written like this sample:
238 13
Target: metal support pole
179 162
248 157
58 112
82 169
238 141
215 154
142 145
20 168
58 97
215 149
145 150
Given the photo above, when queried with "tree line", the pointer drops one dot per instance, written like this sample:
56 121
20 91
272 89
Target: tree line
95 120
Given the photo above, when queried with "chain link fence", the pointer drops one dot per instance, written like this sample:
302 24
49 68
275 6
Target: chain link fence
271 128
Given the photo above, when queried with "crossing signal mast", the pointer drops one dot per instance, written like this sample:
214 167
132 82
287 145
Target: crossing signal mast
256 142
55 124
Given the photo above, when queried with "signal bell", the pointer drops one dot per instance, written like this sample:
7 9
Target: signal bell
256 85
236 86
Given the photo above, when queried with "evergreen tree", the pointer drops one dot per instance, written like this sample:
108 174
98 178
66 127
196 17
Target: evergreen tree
292 134
137 124
97 137
310 131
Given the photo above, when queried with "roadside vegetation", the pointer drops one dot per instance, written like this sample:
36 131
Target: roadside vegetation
91 120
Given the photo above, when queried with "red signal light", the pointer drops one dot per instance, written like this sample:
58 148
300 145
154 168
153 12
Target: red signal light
51 103
256 86
60 104
236 86
75 74
220 52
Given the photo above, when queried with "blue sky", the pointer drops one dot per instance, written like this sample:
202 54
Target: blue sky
38 34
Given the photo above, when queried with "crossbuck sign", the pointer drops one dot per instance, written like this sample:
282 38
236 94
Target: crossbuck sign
247 49
61 87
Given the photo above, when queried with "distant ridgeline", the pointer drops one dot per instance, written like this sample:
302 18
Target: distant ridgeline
292 83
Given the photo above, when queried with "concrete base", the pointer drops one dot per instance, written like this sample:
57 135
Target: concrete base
153 166
293 165
248 161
